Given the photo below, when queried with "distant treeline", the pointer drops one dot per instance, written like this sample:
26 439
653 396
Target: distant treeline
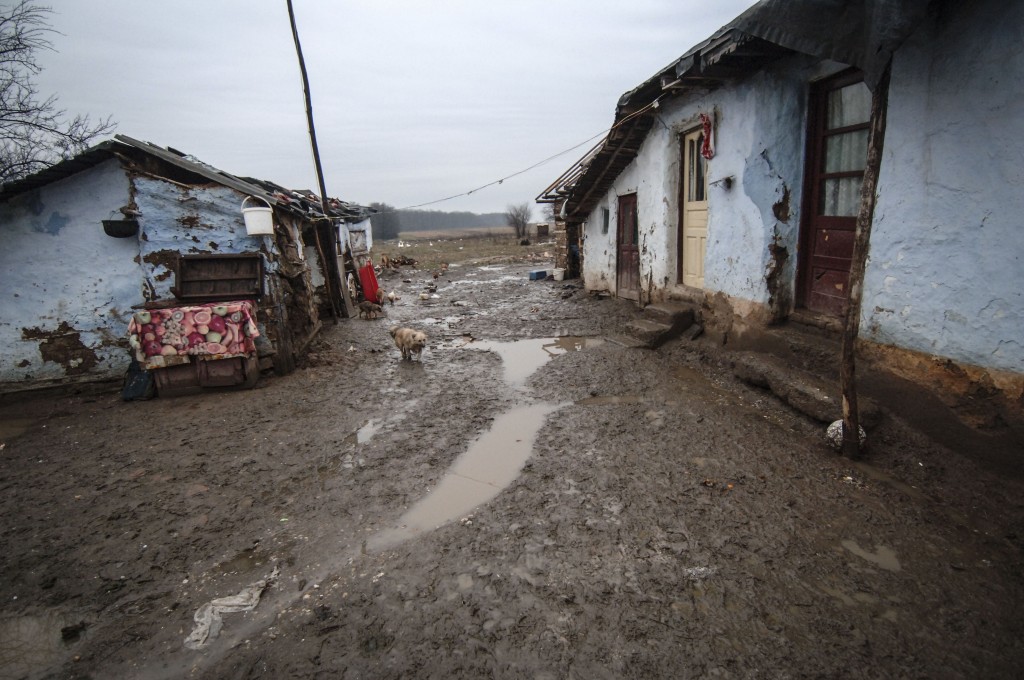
388 221
423 220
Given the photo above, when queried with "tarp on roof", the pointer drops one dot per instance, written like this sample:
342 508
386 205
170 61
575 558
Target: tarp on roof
862 33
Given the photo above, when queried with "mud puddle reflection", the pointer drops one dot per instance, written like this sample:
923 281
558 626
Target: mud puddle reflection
491 463
494 459
522 357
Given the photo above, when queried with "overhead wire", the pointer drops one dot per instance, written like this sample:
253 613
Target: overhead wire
636 113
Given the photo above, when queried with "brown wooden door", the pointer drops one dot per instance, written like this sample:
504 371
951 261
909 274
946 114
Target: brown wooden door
837 143
628 269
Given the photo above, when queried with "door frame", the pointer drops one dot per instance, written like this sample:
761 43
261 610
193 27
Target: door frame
814 157
682 200
627 247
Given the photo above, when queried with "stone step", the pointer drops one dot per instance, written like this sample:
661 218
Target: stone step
668 312
661 322
803 391
650 333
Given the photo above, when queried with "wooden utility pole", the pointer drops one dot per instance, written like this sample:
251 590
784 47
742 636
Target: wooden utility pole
861 240
334 276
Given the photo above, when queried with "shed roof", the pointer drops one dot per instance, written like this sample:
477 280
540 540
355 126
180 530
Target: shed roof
122 146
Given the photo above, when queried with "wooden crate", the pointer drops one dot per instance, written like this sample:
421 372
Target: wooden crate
214 278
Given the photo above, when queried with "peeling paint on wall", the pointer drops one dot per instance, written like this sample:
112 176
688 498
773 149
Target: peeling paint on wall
781 207
64 347
779 292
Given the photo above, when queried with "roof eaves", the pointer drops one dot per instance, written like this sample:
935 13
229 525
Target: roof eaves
90 157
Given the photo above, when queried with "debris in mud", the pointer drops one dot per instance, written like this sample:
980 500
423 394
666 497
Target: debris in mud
834 435
209 619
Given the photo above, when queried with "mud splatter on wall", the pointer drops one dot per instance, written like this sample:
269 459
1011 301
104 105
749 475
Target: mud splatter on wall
63 281
63 346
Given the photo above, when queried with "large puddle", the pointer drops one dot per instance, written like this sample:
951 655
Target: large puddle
522 357
493 460
491 463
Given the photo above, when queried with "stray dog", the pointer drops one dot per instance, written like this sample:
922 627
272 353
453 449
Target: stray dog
369 309
410 342
392 297
381 296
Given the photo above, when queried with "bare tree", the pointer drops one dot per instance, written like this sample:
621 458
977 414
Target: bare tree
518 216
549 213
34 133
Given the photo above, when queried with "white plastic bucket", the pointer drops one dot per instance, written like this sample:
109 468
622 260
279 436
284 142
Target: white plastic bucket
259 220
559 274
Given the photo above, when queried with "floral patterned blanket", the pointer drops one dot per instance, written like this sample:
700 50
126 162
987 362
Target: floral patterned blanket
218 330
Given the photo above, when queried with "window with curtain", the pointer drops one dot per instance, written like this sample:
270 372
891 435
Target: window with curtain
847 115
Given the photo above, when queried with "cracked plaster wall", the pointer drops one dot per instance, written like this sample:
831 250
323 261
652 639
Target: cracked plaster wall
66 286
946 269
191 220
752 243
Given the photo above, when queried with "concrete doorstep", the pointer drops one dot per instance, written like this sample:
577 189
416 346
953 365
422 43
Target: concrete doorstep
803 391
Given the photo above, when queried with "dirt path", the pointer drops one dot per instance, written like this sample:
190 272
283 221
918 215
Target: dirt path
667 521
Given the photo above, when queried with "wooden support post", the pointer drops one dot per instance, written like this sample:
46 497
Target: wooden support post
333 279
861 240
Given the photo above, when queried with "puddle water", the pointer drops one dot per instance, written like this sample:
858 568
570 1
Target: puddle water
522 357
883 556
488 282
363 434
448 320
31 645
366 432
9 429
491 463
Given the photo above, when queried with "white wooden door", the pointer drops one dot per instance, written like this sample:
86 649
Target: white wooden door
693 211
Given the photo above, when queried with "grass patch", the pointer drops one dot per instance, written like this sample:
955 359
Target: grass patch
463 246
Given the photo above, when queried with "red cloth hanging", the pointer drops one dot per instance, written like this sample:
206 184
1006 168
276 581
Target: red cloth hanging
368 282
707 149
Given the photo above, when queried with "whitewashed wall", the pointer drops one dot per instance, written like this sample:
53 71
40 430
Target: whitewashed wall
68 288
946 270
63 278
759 138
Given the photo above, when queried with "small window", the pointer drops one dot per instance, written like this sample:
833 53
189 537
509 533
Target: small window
605 219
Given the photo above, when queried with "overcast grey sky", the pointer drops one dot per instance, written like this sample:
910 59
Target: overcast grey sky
414 101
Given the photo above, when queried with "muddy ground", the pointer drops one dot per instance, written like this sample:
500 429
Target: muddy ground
668 521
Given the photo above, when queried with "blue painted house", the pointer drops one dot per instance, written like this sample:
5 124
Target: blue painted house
92 239
731 180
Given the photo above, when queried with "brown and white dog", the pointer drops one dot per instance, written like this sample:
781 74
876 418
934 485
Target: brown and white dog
369 309
410 342
381 296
